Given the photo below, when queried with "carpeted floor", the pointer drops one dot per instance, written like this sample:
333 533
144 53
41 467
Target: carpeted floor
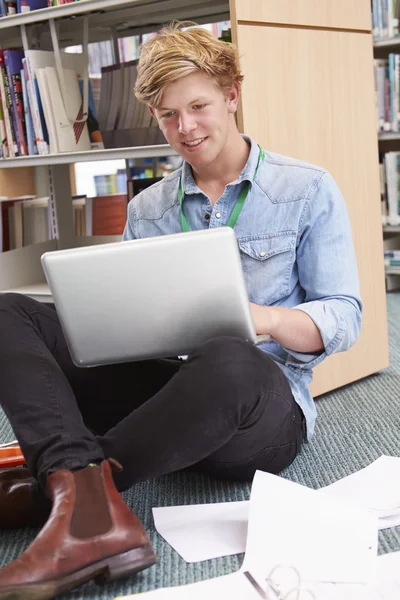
356 425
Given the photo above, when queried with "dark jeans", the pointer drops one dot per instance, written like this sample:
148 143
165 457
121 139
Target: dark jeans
227 410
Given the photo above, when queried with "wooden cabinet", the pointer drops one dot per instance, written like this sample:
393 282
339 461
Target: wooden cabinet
308 92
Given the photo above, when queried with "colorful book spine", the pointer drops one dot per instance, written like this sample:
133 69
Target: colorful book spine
30 134
3 135
39 123
13 63
6 100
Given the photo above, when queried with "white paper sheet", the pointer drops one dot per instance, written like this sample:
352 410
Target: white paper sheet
236 587
203 531
386 587
389 568
230 587
325 539
375 488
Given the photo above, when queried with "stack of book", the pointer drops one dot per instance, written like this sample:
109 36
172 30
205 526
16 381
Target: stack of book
387 90
389 171
124 121
101 215
39 114
12 7
24 220
385 18
392 258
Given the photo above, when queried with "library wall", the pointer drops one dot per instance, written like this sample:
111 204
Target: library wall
17 183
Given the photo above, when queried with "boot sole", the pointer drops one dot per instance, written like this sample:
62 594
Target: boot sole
104 570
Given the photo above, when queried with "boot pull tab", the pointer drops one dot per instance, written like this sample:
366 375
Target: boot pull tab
115 465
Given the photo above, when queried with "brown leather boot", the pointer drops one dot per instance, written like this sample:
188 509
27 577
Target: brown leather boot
16 507
90 534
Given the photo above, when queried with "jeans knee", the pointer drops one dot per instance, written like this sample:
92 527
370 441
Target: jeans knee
11 302
234 358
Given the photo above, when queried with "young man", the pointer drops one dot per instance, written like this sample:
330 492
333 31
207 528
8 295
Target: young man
230 408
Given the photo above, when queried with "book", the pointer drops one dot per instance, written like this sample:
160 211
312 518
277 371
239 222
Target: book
35 221
28 222
6 104
28 5
30 134
41 59
71 137
3 135
15 226
96 138
38 120
47 110
106 215
13 64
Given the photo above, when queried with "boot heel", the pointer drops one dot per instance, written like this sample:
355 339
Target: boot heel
127 563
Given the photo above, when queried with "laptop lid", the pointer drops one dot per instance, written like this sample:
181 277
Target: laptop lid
149 298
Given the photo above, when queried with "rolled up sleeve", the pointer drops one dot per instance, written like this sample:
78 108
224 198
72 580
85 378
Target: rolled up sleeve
130 223
328 273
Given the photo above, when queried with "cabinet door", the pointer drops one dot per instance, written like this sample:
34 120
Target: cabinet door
308 92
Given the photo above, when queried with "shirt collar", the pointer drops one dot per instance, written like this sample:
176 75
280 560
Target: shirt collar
189 184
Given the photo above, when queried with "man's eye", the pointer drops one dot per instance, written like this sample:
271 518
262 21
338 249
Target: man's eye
168 115
198 106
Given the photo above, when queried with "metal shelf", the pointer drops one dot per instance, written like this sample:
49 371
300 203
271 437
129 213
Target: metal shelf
91 155
391 228
123 17
392 271
388 42
389 137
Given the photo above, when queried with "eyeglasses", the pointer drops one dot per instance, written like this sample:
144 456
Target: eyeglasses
282 583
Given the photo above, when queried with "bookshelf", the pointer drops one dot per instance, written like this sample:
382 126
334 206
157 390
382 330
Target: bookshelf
388 141
108 18
67 158
316 103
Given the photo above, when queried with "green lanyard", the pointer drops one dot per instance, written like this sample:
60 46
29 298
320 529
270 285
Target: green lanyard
239 203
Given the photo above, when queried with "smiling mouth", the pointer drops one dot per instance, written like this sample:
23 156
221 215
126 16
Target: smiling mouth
194 143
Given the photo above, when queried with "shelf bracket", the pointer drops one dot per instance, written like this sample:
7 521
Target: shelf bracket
24 37
114 39
60 205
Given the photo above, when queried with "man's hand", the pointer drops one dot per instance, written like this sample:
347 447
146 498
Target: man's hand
289 327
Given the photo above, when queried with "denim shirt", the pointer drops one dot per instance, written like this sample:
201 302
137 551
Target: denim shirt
296 248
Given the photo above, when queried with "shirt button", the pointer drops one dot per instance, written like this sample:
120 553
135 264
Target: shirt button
262 253
207 217
218 215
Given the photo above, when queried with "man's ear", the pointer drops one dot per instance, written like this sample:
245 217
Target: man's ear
233 97
151 109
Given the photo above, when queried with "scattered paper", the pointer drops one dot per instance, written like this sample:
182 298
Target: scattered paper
203 531
389 568
386 586
375 488
232 587
323 538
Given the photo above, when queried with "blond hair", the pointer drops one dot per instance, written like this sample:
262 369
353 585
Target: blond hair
174 53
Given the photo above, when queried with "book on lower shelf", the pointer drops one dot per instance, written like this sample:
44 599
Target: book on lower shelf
100 215
24 220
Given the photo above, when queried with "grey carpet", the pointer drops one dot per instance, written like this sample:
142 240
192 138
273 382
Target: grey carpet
356 424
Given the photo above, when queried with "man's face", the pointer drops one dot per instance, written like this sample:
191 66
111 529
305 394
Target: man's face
195 117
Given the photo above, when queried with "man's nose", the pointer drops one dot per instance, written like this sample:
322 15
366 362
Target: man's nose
186 124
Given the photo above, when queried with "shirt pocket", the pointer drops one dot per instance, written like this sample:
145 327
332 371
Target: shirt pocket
267 265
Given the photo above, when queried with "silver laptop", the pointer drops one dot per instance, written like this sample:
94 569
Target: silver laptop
149 298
